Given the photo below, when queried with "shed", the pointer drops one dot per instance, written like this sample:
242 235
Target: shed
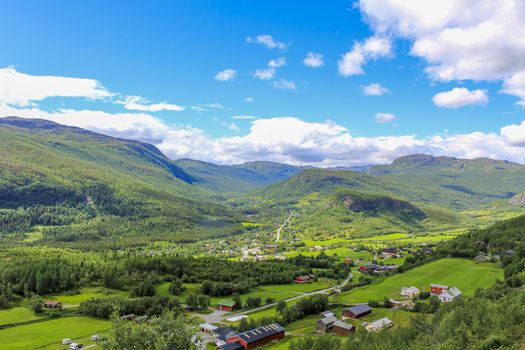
357 311
342 328
325 324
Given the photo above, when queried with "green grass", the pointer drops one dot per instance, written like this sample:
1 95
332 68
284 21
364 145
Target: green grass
49 333
85 294
464 274
18 314
388 237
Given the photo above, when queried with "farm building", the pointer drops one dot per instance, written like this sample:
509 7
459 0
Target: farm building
128 317
377 269
450 295
254 338
409 291
325 324
227 305
52 304
357 311
342 328
304 279
389 252
436 289
207 328
326 313
221 335
379 325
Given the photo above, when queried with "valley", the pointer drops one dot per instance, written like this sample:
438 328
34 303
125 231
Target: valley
95 228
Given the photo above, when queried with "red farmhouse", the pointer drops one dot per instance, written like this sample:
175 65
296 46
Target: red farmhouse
254 338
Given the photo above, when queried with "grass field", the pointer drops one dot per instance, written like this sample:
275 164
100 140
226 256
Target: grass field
85 294
18 314
464 274
48 334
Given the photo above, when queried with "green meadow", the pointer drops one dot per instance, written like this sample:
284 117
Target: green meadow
18 314
50 333
85 294
464 274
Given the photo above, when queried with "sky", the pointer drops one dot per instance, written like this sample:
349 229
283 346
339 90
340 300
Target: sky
323 83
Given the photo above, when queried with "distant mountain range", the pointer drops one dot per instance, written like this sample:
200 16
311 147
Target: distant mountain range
55 175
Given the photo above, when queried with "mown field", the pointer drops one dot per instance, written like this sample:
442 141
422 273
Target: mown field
48 334
464 274
18 314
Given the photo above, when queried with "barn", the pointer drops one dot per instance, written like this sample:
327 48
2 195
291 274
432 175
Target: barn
254 338
357 311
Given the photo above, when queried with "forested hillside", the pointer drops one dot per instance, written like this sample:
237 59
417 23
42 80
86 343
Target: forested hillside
90 187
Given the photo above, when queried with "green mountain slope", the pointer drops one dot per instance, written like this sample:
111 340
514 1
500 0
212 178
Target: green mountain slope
95 187
455 183
236 179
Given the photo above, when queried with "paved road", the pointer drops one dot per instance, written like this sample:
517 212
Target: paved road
322 291
282 226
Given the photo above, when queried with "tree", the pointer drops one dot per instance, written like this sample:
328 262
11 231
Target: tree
280 306
176 287
36 304
269 300
237 299
168 331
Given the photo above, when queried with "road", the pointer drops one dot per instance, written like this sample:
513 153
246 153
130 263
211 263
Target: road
264 307
282 226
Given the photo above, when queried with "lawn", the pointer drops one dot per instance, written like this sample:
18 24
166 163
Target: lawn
464 274
47 333
18 314
86 294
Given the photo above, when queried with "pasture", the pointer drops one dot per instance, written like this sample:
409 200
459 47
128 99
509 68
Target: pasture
18 314
48 334
85 294
464 274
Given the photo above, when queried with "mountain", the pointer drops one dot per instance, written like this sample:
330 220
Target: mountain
89 186
236 179
456 183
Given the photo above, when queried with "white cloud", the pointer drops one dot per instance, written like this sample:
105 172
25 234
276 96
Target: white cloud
351 63
233 126
248 99
460 97
457 40
278 62
268 41
137 103
384 118
374 89
286 139
284 84
264 74
226 75
244 117
207 107
313 60
19 89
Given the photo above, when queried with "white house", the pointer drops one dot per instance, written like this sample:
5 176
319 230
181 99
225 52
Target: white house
379 324
450 295
409 291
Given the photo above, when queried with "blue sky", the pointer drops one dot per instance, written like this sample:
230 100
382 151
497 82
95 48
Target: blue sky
172 51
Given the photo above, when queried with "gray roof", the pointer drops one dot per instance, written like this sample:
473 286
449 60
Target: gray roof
343 325
359 309
261 333
328 320
232 346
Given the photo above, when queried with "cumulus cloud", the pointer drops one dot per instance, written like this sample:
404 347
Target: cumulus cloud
457 40
267 41
264 74
137 103
385 118
277 62
284 84
226 75
19 89
313 60
352 62
285 139
374 89
460 97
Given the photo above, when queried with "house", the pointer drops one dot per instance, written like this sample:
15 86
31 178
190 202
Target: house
254 338
378 325
129 317
303 279
436 289
325 324
52 304
342 328
450 295
326 313
357 311
227 305
207 328
222 334
388 252
409 291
